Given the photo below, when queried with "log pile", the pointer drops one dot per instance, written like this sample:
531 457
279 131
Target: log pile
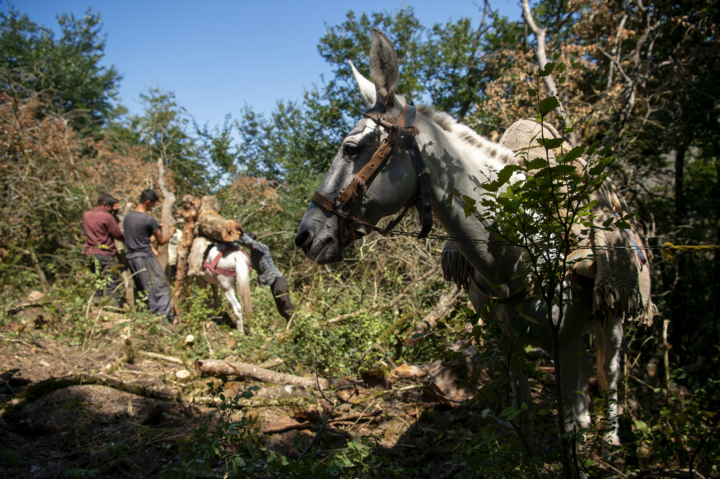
213 226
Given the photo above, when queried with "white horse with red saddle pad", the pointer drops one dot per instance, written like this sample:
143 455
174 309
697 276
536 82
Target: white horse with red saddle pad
400 156
227 266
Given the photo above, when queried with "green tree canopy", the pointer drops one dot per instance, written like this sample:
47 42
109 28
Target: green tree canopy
66 72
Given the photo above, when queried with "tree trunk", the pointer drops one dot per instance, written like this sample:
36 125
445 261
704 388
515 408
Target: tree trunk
215 367
166 218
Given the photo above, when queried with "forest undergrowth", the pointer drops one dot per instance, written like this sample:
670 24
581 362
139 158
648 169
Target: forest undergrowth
214 427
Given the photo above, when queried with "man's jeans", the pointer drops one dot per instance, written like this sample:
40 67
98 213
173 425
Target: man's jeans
150 277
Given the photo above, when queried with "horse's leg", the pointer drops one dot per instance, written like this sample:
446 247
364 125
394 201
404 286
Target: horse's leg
521 393
612 334
574 367
600 359
216 296
228 286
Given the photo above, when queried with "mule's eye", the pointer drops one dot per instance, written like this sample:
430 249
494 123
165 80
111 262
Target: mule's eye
351 150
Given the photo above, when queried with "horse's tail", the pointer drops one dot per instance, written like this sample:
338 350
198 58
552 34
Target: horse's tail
242 282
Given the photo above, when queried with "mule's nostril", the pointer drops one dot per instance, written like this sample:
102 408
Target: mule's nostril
301 238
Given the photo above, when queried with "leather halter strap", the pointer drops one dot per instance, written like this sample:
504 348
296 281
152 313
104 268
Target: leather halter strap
402 131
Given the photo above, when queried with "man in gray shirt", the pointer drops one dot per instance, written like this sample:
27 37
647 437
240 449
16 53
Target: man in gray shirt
149 276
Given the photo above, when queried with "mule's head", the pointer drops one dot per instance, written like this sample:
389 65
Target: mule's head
390 188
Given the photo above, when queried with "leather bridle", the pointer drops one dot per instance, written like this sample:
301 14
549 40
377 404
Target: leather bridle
401 132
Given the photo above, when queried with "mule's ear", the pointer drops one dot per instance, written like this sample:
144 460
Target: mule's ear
367 88
384 69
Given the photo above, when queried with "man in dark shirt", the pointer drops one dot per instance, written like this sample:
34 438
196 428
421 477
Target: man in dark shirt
101 229
149 276
268 274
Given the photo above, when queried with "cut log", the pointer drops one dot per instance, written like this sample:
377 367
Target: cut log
215 367
285 424
410 371
166 216
214 226
446 303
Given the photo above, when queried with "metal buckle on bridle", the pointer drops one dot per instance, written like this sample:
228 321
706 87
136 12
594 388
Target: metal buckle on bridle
398 132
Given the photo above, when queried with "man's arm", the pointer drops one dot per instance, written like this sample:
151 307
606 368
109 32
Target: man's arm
114 229
163 240
245 240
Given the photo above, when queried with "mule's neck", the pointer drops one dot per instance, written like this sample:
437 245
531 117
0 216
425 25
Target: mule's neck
456 165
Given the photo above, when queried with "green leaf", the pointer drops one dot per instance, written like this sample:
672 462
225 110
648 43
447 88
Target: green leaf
537 163
532 92
641 426
549 67
623 225
507 411
548 104
563 170
550 143
503 177
8 455
574 154
561 67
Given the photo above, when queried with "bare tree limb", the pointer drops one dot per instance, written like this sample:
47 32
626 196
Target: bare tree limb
167 218
541 54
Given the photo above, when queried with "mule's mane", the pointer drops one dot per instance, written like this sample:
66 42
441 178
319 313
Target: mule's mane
466 134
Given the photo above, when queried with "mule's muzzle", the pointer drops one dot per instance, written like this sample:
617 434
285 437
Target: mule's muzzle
317 244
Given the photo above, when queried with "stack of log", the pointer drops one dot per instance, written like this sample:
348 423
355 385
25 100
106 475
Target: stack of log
189 213
201 215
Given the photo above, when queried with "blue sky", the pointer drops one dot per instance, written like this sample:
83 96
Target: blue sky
218 56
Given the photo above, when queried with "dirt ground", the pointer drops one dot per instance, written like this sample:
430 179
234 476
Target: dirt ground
103 416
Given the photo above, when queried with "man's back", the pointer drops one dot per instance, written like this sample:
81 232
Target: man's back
100 230
139 228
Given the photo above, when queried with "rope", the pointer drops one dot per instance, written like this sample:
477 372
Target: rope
667 248
671 250
208 211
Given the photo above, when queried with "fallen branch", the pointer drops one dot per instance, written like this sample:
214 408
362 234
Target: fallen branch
214 367
46 386
284 425
169 359
446 303
243 403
